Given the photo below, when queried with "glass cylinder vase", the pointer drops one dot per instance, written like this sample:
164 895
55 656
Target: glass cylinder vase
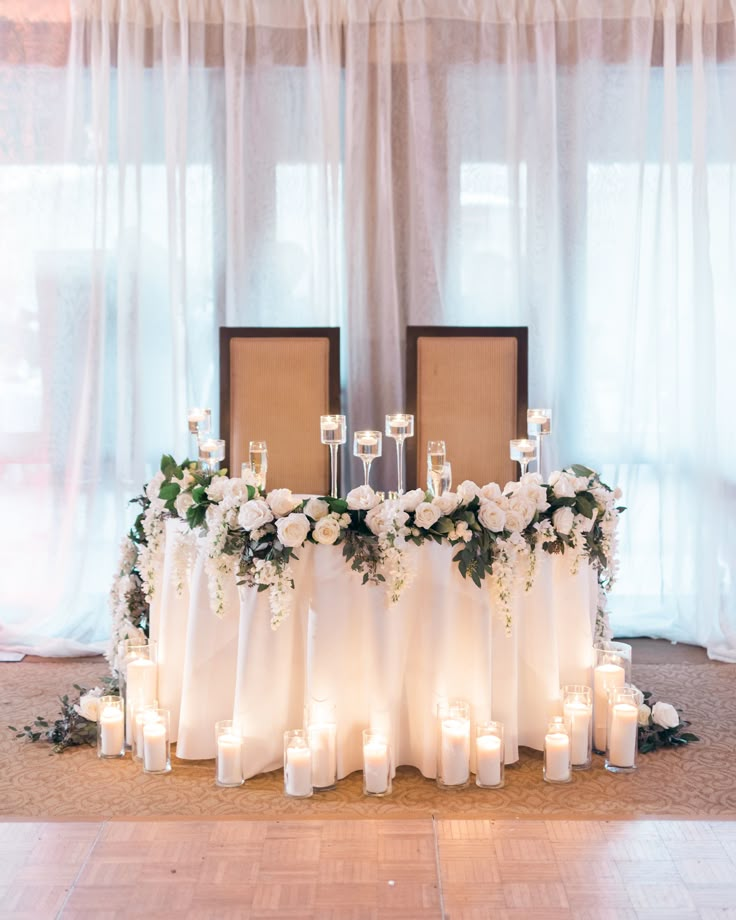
157 743
321 724
110 727
577 708
557 753
376 763
489 755
453 744
297 764
623 729
140 681
229 757
142 716
611 668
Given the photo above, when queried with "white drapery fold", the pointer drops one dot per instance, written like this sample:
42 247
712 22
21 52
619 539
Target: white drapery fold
563 165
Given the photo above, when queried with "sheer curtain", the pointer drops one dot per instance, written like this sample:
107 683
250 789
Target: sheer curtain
566 166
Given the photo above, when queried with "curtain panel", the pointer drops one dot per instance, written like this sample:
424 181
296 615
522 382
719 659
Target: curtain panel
563 165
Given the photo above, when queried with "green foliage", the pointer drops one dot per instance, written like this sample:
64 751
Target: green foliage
652 736
70 729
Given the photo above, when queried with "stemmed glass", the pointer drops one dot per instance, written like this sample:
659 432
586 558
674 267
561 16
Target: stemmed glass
200 425
436 457
211 453
538 424
400 426
367 445
258 457
522 450
332 433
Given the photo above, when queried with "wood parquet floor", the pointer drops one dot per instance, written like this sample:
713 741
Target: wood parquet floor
360 869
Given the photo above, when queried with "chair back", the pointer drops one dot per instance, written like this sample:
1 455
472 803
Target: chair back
274 385
468 387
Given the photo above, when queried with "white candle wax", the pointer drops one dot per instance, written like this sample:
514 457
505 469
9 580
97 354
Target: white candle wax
197 416
375 766
455 752
488 759
208 447
140 689
605 677
557 757
298 771
578 716
229 760
322 742
154 747
142 717
624 730
367 441
329 426
111 731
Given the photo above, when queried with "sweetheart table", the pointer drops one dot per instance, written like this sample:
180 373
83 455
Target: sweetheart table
380 666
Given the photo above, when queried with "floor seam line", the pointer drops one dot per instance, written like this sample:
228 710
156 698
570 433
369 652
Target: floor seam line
81 869
438 867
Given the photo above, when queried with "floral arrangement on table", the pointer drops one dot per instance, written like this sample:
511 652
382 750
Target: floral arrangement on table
496 534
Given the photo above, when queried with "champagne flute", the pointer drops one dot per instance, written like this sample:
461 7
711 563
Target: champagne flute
400 426
538 425
332 433
258 456
436 457
367 445
522 450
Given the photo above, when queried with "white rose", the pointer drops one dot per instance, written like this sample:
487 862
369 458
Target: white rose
644 713
491 516
564 486
409 501
281 501
249 477
446 503
583 523
581 483
426 515
468 490
524 507
491 491
217 488
534 493
665 715
326 530
183 503
293 529
235 492
316 509
153 487
362 499
515 521
254 514
533 479
562 521
89 705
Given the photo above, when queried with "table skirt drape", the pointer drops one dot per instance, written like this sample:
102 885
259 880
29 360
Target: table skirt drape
380 666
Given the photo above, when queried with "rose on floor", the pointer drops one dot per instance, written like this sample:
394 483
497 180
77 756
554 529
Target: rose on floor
661 725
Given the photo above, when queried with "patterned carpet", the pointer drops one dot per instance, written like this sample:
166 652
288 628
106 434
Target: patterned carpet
694 782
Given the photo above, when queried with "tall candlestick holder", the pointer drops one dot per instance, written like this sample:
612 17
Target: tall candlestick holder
200 425
332 432
400 426
522 451
211 454
538 426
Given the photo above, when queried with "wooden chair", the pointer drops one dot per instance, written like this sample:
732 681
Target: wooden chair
468 387
274 385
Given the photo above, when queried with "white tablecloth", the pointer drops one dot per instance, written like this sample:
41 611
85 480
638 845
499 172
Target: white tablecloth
386 666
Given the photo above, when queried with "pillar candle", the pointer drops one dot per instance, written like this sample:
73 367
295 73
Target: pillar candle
488 759
154 747
578 716
624 732
557 757
605 678
142 717
229 760
375 766
141 678
111 732
322 742
455 752
298 771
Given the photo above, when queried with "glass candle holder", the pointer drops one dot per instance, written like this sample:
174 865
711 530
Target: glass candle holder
367 445
489 755
436 458
200 425
538 426
400 426
332 432
157 742
453 744
143 715
297 764
557 754
623 730
258 457
211 454
321 722
229 758
140 681
376 763
577 708
522 450
445 480
611 668
111 727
